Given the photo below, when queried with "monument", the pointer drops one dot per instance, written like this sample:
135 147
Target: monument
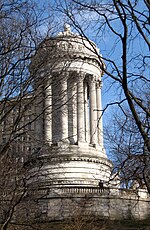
75 165
72 125
68 171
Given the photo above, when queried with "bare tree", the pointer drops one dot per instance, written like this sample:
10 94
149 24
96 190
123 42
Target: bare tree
23 102
131 159
21 30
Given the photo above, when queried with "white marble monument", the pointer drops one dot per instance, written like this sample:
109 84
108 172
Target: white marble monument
70 74
69 171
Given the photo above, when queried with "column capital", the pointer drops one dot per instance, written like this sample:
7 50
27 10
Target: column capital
60 76
99 84
81 75
91 78
64 75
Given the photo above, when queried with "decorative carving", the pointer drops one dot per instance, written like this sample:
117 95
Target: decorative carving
91 78
99 84
71 45
86 159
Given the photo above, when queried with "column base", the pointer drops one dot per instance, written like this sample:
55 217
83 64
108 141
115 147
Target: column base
82 144
61 143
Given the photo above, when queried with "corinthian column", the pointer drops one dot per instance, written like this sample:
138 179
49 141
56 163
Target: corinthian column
86 112
80 110
59 108
48 112
72 110
64 109
99 114
39 110
93 111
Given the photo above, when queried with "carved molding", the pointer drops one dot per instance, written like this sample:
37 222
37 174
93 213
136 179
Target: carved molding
61 159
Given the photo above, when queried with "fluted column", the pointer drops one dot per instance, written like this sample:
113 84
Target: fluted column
48 112
72 110
93 111
64 109
80 109
59 108
86 112
99 114
39 110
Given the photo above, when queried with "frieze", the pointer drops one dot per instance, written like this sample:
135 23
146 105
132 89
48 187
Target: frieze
65 45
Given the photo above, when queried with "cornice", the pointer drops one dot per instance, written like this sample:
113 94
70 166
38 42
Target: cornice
64 158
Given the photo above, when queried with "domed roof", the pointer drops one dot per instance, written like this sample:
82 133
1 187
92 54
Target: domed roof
66 47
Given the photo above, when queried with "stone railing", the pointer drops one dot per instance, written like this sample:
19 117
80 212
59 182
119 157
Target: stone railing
86 190
83 190
140 193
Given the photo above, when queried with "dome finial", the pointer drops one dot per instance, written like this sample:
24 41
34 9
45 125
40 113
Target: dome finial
66 32
67 28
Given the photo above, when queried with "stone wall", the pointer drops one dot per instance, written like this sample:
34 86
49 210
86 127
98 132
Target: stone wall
107 203
68 203
84 204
